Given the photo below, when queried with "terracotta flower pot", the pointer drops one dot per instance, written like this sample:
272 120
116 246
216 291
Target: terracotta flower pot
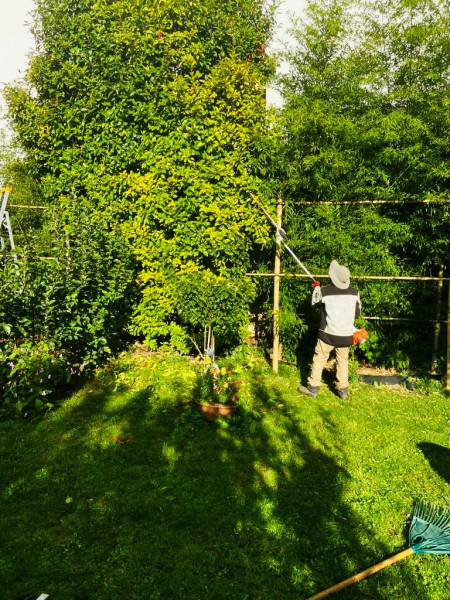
215 410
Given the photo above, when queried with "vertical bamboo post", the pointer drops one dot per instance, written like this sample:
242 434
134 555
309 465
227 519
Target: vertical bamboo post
437 325
276 292
447 379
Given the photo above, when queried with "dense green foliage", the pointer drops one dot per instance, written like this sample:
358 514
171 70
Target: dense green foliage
367 118
64 315
289 497
367 113
141 126
153 113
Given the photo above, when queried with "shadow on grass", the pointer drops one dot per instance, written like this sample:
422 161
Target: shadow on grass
250 508
304 362
438 457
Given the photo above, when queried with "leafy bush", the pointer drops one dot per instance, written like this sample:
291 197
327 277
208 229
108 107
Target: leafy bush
219 302
71 311
29 374
82 298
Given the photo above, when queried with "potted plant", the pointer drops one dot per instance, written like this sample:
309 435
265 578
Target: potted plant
216 391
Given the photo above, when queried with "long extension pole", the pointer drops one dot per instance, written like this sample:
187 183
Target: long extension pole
282 235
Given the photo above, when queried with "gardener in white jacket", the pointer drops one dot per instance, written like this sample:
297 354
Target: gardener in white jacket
340 306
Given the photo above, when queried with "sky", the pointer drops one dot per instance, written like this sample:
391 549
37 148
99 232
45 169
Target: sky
16 41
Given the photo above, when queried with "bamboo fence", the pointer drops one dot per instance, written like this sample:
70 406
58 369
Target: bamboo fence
277 273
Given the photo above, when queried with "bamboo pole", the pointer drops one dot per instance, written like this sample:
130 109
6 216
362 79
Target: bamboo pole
396 202
34 257
276 292
409 319
437 326
309 203
360 277
32 207
363 574
447 378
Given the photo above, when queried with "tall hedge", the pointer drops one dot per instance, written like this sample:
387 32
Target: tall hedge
153 114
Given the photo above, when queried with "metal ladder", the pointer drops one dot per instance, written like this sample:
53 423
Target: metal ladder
5 223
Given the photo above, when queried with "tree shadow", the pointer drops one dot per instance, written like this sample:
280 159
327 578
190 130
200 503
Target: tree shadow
439 458
249 508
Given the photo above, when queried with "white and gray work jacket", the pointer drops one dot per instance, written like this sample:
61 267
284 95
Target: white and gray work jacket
339 310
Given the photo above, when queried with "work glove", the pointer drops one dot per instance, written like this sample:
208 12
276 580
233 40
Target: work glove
360 336
317 293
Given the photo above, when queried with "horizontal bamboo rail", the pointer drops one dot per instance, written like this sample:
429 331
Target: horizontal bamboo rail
361 277
404 319
367 318
27 206
397 202
34 257
307 202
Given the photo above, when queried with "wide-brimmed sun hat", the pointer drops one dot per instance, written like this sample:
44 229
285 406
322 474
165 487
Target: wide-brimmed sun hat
339 275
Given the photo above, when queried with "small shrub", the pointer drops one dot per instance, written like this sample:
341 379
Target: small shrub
216 385
31 373
428 386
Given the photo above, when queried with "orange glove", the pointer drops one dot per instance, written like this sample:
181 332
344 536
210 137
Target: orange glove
360 336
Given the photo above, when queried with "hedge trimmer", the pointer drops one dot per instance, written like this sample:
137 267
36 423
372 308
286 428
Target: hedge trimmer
429 534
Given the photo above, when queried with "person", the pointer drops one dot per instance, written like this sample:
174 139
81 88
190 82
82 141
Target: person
340 305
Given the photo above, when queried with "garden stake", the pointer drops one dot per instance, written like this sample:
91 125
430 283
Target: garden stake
209 346
429 534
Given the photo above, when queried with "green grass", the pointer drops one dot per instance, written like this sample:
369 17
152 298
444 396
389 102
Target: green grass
287 498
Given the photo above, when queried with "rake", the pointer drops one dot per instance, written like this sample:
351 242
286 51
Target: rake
429 534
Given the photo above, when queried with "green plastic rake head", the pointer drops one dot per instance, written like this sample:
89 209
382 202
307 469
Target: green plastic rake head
430 529
429 534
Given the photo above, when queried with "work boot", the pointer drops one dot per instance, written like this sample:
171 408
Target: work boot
342 393
308 390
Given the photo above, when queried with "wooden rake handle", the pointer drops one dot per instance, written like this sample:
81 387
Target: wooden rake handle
363 574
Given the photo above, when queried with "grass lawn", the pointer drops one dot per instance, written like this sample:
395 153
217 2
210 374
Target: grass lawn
285 499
